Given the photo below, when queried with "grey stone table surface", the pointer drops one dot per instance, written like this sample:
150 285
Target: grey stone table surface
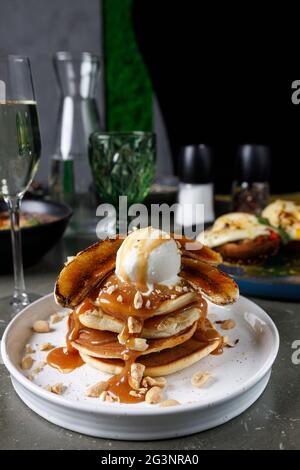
273 422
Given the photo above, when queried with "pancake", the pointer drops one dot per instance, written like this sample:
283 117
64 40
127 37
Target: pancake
106 345
167 361
162 363
161 300
160 326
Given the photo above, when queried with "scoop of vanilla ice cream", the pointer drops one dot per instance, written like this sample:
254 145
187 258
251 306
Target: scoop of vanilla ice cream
148 256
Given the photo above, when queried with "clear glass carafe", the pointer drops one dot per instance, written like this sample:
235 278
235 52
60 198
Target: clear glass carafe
71 179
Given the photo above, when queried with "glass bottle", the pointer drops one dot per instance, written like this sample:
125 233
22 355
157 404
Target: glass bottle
196 189
250 190
70 180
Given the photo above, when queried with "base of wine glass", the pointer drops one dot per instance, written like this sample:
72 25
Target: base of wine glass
8 310
20 301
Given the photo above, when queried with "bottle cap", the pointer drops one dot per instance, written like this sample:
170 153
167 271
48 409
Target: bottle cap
253 163
195 164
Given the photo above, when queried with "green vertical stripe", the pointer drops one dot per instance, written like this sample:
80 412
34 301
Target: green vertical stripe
127 85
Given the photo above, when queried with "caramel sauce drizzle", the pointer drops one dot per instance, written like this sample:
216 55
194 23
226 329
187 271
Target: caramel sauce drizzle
206 334
67 359
64 360
122 310
118 385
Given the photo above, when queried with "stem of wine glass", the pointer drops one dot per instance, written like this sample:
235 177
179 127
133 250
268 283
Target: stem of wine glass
20 298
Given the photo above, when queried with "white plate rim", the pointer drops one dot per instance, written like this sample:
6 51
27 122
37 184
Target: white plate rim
111 409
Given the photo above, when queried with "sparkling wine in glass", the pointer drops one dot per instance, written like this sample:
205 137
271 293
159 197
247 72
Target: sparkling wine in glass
20 148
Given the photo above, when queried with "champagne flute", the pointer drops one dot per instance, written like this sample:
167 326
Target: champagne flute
20 148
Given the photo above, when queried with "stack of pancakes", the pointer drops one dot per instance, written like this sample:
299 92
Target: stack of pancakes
166 331
141 327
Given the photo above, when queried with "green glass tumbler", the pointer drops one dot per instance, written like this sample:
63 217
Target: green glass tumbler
123 164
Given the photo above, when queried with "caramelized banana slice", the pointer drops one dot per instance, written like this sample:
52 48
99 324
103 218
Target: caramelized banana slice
85 272
217 286
196 250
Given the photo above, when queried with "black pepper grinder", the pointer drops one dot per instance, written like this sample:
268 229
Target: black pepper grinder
251 190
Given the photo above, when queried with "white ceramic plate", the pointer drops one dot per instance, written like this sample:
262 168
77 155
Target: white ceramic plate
239 377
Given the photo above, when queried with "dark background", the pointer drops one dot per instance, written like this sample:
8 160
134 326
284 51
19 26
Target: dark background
223 76
222 72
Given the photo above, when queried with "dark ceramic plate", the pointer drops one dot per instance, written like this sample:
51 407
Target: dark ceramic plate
37 240
279 278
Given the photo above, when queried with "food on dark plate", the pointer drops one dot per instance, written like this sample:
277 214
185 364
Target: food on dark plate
26 220
285 216
241 238
139 310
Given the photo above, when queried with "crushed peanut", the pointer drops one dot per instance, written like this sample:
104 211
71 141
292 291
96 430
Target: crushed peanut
173 297
154 395
57 388
170 402
138 300
29 377
178 288
120 299
112 398
227 324
28 349
136 375
185 289
55 318
137 344
134 325
41 326
103 395
135 394
111 289
123 336
154 382
200 378
69 259
96 389
46 347
148 304
26 362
